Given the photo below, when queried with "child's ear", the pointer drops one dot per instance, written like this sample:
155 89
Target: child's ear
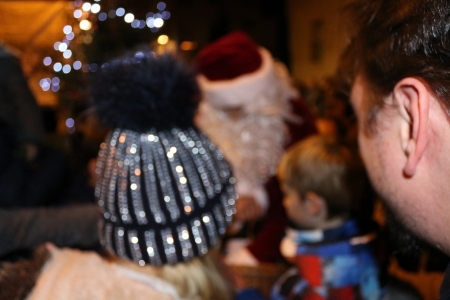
315 204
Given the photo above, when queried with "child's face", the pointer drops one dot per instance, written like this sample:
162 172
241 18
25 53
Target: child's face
297 209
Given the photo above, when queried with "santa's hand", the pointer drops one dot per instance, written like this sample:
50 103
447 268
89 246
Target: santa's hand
248 209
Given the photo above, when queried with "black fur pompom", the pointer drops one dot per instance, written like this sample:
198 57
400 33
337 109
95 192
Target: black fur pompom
144 91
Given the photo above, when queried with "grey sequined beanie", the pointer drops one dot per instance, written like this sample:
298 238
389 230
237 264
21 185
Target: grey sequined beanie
165 191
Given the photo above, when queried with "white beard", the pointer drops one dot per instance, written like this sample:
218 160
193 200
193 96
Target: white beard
254 141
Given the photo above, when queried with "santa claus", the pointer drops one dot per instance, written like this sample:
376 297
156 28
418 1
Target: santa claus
252 111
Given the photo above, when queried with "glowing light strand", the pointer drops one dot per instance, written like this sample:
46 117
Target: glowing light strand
154 21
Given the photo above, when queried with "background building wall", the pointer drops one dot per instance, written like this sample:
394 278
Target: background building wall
316 37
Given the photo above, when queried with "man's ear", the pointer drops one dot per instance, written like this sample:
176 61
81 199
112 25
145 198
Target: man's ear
413 100
315 204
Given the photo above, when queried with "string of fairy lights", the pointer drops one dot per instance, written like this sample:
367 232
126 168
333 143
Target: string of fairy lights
85 13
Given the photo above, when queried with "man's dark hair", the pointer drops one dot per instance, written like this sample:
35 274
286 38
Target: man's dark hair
392 40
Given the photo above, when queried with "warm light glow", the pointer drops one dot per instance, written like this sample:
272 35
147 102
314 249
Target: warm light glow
87 39
163 39
85 25
188 46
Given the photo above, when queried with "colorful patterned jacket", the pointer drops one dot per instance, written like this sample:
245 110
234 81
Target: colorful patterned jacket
332 264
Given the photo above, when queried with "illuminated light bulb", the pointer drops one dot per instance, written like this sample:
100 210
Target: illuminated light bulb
86 6
67 54
67 29
188 45
57 67
129 18
45 84
77 65
66 69
85 25
77 13
120 12
47 61
161 6
56 81
163 39
70 123
102 16
159 22
150 22
56 45
135 23
95 8
62 47
165 15
70 36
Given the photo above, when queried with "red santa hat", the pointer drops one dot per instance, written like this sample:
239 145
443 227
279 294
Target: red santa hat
234 70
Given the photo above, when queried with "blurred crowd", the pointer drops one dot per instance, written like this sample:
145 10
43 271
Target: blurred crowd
218 179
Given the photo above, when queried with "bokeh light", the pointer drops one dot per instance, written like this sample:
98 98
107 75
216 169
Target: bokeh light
159 22
57 67
86 6
129 18
120 12
85 25
47 61
77 65
67 29
77 13
95 8
163 39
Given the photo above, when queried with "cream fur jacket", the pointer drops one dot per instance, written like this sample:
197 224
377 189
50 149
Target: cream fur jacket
80 275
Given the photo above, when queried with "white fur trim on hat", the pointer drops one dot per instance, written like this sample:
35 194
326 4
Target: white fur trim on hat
243 89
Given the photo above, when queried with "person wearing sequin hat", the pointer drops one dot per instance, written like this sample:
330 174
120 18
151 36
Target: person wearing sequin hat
251 109
165 191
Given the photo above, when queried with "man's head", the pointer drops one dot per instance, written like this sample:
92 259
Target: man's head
400 75
319 167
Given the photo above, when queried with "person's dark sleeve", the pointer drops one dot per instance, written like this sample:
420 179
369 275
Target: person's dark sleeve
71 226
29 126
265 246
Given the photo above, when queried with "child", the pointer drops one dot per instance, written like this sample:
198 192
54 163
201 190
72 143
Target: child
165 195
333 260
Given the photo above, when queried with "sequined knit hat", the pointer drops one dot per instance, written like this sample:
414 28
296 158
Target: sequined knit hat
166 193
